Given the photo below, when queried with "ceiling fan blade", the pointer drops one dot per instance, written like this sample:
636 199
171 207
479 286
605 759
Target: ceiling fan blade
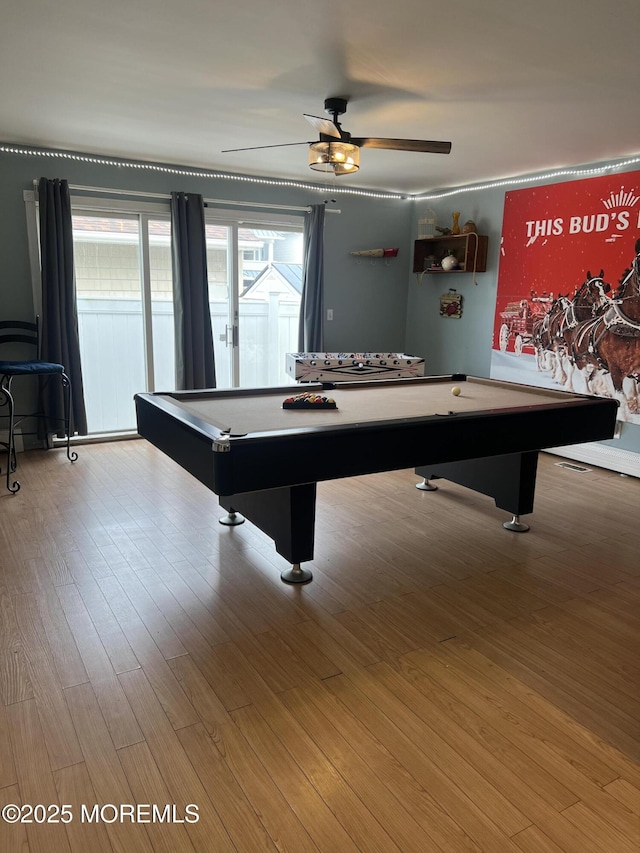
422 145
258 147
323 125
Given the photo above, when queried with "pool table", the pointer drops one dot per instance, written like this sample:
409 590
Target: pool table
264 461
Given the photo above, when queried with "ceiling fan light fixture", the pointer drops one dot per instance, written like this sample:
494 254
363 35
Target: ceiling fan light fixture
341 158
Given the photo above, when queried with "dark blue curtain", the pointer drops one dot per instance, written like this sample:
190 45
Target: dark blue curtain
310 333
60 342
195 366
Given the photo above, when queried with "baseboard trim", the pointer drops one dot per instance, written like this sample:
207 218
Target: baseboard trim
17 436
602 456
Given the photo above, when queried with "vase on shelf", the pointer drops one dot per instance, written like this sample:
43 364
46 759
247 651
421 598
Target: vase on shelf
455 228
449 262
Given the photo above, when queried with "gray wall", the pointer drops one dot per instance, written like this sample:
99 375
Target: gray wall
368 295
464 345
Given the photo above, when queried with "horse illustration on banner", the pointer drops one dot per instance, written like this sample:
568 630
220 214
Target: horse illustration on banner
591 342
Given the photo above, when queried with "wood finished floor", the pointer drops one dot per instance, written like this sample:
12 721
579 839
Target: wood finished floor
442 685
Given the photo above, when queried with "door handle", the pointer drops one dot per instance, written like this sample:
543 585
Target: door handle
229 339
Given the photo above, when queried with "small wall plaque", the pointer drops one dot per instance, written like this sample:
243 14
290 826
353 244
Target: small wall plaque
451 305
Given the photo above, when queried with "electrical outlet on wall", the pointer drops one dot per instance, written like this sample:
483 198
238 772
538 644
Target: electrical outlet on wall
329 313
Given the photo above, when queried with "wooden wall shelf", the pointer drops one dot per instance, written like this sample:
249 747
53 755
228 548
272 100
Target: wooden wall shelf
469 249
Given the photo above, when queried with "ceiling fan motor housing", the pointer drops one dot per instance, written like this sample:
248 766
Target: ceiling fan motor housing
344 136
335 106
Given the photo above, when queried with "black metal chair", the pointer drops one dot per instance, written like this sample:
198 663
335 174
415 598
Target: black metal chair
21 332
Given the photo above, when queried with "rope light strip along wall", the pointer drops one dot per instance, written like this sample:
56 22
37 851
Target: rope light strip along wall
198 173
280 182
528 179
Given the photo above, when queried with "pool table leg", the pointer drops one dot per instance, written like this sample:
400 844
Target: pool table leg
232 519
287 515
515 525
426 486
296 574
510 480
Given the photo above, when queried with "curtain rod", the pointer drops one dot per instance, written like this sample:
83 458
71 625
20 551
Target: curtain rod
108 191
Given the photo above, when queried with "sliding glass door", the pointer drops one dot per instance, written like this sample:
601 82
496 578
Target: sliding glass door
125 312
124 286
255 283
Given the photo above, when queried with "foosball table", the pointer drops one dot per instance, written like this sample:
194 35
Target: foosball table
352 366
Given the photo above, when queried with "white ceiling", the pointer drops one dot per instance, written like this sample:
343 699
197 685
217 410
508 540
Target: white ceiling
516 86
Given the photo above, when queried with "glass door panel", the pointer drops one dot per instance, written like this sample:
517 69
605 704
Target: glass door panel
221 302
161 287
110 319
270 285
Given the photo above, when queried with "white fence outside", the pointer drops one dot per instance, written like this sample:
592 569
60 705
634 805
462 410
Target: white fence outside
113 360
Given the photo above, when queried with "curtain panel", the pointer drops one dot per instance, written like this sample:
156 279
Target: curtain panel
195 366
60 340
311 329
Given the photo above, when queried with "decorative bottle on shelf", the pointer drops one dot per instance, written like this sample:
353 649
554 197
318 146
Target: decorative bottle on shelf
455 228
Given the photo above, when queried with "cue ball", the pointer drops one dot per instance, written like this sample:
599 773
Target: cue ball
456 390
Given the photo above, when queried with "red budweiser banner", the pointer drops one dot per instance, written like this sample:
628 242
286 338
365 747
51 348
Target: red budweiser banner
555 239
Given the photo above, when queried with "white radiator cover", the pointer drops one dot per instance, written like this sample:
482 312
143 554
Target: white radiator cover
602 456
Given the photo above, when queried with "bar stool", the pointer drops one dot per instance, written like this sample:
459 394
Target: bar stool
21 332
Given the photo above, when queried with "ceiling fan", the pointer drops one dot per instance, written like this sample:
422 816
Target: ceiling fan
338 152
